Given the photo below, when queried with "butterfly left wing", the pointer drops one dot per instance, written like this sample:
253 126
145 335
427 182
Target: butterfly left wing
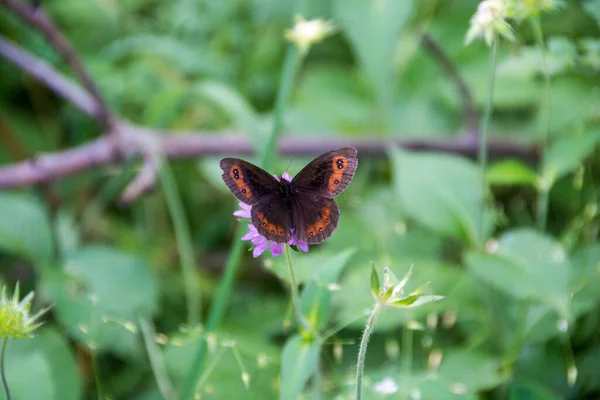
246 181
314 218
329 174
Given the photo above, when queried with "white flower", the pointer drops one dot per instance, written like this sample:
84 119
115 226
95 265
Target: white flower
489 20
306 33
386 386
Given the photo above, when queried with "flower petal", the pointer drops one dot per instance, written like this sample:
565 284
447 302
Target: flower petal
259 249
276 249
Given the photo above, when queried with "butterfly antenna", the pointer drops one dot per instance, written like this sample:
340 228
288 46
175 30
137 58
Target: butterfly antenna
290 163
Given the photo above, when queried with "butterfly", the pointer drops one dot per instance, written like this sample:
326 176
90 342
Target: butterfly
303 207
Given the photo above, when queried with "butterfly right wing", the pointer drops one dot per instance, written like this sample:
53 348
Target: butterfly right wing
246 181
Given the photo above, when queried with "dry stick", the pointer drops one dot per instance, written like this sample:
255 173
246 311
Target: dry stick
470 114
38 19
138 141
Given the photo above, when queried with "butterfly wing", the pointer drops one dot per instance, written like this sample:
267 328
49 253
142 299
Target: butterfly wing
246 181
329 174
314 217
271 217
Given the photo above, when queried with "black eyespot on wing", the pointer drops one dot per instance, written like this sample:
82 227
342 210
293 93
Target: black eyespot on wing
246 181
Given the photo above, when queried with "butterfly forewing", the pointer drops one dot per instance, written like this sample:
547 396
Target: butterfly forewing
246 181
329 174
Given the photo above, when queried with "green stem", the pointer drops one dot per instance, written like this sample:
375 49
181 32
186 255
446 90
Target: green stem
156 360
407 357
295 298
292 62
544 189
485 133
362 351
218 307
184 241
96 368
2 369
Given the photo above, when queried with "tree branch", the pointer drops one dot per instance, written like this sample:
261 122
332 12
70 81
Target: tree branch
38 19
127 140
470 114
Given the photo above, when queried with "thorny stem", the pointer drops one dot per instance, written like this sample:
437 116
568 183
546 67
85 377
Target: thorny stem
2 370
295 298
362 352
484 136
544 189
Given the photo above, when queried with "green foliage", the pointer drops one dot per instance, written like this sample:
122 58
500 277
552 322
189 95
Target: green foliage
521 305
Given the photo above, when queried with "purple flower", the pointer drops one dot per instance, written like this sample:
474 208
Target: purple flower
260 242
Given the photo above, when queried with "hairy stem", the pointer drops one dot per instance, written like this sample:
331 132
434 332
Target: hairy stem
2 369
484 136
362 351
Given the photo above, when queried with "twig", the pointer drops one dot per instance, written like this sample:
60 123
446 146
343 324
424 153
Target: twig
38 19
470 114
141 142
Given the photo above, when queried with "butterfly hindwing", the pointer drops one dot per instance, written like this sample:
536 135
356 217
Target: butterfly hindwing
329 174
246 181
314 217
272 218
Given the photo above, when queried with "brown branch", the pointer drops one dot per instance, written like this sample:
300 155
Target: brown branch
470 115
38 19
148 144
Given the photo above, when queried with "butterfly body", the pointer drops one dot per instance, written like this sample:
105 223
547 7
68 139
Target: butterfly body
303 207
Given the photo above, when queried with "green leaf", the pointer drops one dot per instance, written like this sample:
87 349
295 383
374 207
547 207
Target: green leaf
99 293
525 265
593 8
416 301
458 366
316 304
298 363
442 192
322 267
511 172
374 282
530 390
25 228
373 29
42 368
568 152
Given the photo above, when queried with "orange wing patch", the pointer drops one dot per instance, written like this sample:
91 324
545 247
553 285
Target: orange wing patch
321 225
339 165
235 172
272 228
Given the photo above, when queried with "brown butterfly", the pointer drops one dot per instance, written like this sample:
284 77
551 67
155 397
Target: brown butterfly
303 207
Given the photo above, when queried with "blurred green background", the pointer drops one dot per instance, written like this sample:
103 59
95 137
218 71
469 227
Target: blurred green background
522 310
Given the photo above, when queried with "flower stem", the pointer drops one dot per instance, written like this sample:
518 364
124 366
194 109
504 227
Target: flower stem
407 356
302 322
484 135
96 368
2 370
544 189
362 351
